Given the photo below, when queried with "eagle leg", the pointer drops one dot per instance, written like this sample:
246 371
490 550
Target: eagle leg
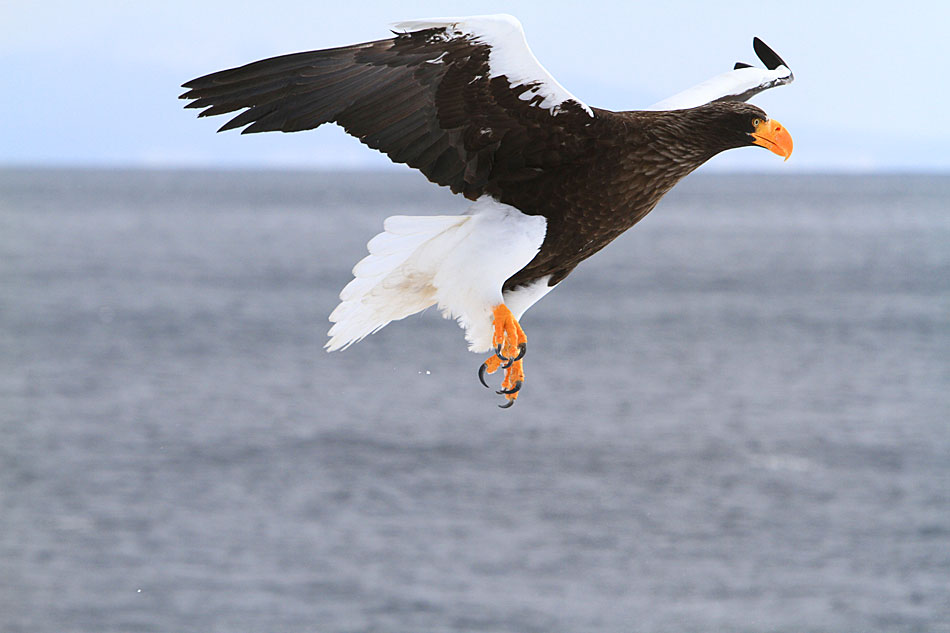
511 345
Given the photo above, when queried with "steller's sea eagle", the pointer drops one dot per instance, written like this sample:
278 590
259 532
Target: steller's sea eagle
552 180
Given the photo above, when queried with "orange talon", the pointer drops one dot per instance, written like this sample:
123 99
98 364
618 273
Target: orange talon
513 375
510 343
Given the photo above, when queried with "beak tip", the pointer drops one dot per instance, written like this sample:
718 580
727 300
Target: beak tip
774 137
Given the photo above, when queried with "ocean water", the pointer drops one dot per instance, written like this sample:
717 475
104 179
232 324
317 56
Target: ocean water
736 417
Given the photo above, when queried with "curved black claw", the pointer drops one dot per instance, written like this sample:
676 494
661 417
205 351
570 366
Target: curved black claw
481 375
515 389
522 350
506 405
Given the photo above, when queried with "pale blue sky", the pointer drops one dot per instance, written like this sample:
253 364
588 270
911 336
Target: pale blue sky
96 83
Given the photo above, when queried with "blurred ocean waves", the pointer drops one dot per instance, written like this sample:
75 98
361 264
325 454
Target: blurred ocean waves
735 417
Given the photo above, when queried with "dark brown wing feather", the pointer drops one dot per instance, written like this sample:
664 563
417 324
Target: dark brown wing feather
423 99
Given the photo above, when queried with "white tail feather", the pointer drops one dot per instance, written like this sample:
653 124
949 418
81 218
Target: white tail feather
457 262
382 289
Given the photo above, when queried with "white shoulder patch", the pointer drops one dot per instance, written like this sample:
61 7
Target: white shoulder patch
510 55
734 83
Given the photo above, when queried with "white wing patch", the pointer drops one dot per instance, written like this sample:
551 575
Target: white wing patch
510 55
734 83
740 84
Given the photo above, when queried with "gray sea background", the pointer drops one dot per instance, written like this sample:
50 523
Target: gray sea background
736 417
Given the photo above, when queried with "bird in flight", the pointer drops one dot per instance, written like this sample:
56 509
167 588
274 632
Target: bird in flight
552 180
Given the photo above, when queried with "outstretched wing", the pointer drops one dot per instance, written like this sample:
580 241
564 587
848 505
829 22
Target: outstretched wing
739 84
461 99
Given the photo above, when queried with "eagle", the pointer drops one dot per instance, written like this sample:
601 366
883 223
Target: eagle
552 180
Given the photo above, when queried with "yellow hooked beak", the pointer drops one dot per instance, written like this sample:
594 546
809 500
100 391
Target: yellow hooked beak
771 135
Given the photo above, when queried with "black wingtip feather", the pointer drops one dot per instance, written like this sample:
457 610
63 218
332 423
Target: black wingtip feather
193 83
769 57
741 65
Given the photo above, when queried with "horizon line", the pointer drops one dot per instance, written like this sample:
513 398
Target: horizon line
396 169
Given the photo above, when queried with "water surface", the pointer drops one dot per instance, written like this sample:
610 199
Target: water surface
735 419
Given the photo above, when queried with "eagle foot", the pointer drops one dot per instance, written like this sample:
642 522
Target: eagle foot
513 381
510 346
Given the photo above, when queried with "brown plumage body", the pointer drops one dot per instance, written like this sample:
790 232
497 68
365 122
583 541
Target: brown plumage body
629 161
